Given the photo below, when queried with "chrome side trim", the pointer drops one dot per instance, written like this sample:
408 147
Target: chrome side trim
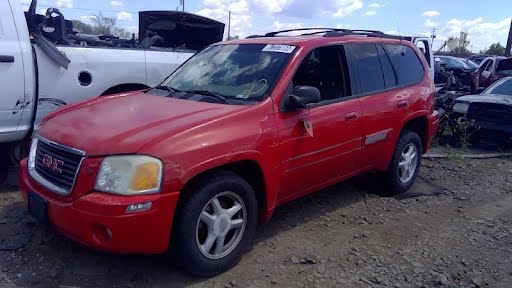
376 137
32 165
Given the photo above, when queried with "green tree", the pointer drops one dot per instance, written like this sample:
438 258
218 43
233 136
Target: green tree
101 25
461 50
496 49
233 37
83 27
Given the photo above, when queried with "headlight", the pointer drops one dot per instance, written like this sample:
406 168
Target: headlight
461 107
129 175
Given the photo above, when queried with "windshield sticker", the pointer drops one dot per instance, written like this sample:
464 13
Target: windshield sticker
279 48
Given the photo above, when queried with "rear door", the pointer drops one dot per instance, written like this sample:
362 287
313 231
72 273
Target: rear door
11 72
386 74
485 76
331 149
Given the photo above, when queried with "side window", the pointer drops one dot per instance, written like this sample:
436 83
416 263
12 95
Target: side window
407 65
424 47
484 65
369 67
322 68
489 66
387 68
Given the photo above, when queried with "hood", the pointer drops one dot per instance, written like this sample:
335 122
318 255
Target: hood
180 29
124 123
489 98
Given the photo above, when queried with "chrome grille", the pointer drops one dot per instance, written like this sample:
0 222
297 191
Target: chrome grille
53 165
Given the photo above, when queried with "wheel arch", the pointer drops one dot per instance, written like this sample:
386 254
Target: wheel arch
419 125
249 169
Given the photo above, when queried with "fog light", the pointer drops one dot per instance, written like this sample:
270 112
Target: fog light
138 207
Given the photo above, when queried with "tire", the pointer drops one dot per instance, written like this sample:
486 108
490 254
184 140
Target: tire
395 179
192 232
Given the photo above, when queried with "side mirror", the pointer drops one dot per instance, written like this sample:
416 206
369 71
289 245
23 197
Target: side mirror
301 97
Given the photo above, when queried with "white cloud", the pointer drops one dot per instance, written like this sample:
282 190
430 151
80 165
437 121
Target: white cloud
370 13
124 16
87 18
64 3
116 4
271 6
430 13
374 5
285 26
347 7
392 32
241 20
429 23
481 34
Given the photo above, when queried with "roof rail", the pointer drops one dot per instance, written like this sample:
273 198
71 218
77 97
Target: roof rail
333 32
367 33
272 34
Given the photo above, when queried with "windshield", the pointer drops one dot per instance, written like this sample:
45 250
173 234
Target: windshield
453 63
243 72
502 87
471 64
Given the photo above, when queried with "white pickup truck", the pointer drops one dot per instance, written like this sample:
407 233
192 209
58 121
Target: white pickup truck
39 73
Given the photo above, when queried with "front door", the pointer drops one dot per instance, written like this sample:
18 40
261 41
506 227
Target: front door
11 73
320 144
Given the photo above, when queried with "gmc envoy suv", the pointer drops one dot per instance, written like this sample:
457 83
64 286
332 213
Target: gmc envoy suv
239 129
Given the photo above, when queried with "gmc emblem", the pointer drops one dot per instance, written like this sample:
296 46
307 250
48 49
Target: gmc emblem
52 163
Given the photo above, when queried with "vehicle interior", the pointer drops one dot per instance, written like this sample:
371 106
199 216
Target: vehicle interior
322 68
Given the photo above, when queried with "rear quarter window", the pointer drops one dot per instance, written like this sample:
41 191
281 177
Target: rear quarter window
408 67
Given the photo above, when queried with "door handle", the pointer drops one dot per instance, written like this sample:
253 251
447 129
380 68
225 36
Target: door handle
6 59
351 116
402 104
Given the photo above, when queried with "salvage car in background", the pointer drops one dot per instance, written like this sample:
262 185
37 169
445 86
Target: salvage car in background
490 70
462 69
45 64
491 112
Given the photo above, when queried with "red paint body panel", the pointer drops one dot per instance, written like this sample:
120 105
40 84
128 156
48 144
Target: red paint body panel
192 137
84 218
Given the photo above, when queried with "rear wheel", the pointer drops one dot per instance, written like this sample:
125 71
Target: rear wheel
405 165
216 223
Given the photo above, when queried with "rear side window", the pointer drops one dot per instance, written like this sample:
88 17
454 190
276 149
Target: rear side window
369 68
408 67
387 68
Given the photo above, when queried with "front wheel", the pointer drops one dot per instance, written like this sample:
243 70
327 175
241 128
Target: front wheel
216 223
405 165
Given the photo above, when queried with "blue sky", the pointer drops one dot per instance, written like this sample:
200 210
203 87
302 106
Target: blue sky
485 23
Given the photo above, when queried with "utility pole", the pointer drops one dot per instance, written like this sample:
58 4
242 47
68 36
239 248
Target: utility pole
229 25
433 36
509 41
182 3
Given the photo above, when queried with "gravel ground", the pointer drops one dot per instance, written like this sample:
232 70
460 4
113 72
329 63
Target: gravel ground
454 229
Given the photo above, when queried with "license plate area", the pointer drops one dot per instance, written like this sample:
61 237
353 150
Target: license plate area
38 207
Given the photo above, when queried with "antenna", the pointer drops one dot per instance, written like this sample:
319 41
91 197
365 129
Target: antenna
400 35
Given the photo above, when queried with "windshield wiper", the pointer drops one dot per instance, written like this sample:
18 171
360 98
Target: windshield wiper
172 91
210 93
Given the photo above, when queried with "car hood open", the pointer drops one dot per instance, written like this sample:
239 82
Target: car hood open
123 124
180 29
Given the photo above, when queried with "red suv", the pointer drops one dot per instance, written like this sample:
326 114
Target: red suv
239 129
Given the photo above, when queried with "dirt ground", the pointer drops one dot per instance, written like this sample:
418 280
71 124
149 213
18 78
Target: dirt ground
454 229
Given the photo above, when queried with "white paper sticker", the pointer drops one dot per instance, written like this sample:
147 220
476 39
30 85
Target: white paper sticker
279 48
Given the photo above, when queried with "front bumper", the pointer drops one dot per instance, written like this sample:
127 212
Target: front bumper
99 220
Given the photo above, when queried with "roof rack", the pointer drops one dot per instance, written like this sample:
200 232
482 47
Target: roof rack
333 32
